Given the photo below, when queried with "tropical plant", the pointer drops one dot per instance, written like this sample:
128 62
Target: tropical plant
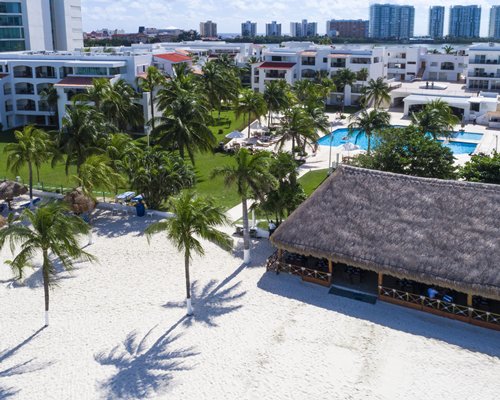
157 175
344 77
253 180
83 127
33 146
193 217
183 126
49 230
406 151
120 149
376 92
298 127
49 95
482 168
277 97
368 122
97 172
250 103
436 118
448 49
362 74
151 82
280 202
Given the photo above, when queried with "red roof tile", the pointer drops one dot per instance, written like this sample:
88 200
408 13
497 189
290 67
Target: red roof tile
277 65
173 57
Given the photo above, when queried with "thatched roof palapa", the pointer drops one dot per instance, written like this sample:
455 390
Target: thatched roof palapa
439 232
11 189
79 202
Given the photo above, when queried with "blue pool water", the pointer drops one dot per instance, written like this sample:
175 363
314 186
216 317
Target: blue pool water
341 136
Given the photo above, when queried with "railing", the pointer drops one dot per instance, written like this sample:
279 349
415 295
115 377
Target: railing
274 264
426 304
484 62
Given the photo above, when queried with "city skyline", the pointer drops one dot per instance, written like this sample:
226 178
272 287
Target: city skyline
187 14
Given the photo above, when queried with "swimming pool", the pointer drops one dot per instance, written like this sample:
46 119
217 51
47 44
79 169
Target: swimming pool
341 136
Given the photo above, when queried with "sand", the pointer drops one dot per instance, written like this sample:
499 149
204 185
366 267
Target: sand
118 331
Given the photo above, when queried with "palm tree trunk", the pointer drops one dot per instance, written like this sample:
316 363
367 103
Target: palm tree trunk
188 284
45 273
246 232
369 137
30 171
37 174
249 113
152 114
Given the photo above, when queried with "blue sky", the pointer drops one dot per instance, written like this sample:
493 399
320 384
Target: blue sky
129 14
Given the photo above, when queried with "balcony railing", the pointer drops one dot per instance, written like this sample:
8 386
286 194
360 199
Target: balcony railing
275 75
305 62
447 68
484 62
427 304
9 107
276 265
338 65
22 74
46 75
483 75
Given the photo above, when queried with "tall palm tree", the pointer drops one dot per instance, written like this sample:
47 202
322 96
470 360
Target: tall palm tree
192 217
82 128
377 91
297 127
151 82
50 96
252 178
32 148
369 123
220 83
250 103
183 126
344 77
49 230
436 118
277 97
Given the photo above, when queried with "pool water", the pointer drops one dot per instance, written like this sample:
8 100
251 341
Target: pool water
341 136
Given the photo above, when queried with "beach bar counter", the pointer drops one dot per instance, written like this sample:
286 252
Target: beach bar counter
428 244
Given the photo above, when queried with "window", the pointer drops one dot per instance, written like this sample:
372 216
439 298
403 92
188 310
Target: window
474 107
11 33
118 70
276 58
91 71
10 8
325 59
10 20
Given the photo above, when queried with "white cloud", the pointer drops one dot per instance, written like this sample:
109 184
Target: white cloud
129 14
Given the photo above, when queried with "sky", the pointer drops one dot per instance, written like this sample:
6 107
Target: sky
229 14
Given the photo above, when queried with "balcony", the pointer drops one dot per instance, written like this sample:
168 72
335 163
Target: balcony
275 75
309 61
337 64
447 67
23 72
474 74
481 61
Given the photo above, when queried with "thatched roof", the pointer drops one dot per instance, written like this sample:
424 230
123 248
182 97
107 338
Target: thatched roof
79 202
439 232
3 221
11 189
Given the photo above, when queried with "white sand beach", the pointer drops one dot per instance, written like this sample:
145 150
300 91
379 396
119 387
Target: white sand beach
118 331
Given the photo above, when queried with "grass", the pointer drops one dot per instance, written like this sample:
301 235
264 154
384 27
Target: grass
312 180
205 163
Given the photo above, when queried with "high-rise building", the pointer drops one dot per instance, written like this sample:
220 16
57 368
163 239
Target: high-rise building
273 29
303 29
464 21
208 29
40 25
494 31
348 28
389 21
249 29
436 21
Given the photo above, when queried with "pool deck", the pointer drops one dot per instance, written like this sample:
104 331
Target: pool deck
320 159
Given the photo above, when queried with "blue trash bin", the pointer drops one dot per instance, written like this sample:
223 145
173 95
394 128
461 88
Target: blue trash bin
140 209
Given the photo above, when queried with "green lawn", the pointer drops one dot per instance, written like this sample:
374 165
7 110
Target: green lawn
55 177
312 180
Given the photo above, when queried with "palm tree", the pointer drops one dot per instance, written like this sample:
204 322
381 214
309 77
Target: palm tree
82 128
297 127
183 126
436 118
49 230
377 91
362 74
97 171
344 77
368 123
50 96
448 49
250 103
151 82
252 178
276 97
192 217
33 147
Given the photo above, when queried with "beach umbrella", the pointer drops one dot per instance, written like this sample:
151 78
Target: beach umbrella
79 202
11 189
235 135
349 146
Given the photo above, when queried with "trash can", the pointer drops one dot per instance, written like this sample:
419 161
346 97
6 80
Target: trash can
140 209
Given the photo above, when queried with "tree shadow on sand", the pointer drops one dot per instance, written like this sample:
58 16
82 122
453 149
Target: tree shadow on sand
17 369
261 249
144 370
399 318
104 225
211 301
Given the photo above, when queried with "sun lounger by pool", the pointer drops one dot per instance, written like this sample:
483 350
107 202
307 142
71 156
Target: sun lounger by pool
123 197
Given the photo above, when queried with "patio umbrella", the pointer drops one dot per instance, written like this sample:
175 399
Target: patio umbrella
235 135
11 189
79 202
349 146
